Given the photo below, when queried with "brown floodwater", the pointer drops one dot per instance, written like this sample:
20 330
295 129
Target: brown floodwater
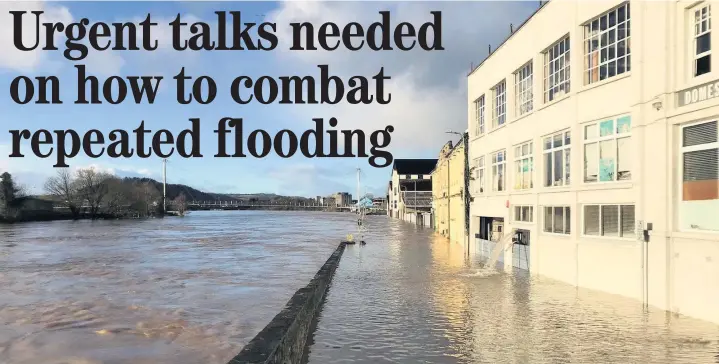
176 290
196 289
410 297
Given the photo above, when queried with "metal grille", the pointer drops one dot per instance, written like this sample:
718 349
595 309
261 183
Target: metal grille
701 165
700 134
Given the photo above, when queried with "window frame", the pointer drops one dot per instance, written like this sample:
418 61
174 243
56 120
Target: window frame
565 147
553 72
593 32
499 110
565 209
519 159
598 140
496 164
692 23
520 207
680 164
601 235
480 175
523 87
479 112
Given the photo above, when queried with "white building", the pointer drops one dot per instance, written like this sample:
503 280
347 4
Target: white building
410 190
592 122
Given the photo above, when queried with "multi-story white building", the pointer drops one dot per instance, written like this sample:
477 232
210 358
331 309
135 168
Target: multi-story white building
409 195
592 122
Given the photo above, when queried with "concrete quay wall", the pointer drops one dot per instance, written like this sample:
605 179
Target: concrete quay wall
283 339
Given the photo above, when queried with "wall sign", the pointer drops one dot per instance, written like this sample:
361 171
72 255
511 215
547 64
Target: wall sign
698 93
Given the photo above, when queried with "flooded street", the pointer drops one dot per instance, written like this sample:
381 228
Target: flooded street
196 289
408 298
176 290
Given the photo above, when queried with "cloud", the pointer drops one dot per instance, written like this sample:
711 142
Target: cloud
13 58
104 63
428 88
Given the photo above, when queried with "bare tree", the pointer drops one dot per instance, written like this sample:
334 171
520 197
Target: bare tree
64 187
180 204
119 197
146 195
92 187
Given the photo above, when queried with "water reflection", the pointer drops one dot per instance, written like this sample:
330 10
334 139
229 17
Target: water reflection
414 297
191 290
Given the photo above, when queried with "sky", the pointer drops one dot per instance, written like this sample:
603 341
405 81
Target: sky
428 90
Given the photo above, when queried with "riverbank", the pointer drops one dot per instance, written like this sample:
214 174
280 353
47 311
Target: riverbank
67 216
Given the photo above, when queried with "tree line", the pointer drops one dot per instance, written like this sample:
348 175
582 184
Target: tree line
87 193
97 194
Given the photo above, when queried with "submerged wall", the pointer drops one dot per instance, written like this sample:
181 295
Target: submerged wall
283 339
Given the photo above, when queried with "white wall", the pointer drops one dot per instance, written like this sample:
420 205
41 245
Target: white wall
679 262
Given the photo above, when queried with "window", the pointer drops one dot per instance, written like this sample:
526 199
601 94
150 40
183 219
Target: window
479 179
479 116
607 155
499 114
702 39
523 166
556 219
607 45
609 220
700 177
523 213
523 89
556 70
556 159
498 170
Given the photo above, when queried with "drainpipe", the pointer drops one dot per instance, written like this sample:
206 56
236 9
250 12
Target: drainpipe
449 204
467 196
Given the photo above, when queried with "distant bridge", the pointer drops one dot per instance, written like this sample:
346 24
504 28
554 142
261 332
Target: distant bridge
251 205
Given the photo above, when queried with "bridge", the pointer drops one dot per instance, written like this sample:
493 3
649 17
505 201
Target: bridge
258 205
271 205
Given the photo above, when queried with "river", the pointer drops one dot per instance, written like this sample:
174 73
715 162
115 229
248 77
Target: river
196 289
176 290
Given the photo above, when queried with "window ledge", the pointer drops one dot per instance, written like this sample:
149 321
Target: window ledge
560 235
477 137
588 186
524 223
604 82
550 189
555 101
523 116
497 128
605 239
526 191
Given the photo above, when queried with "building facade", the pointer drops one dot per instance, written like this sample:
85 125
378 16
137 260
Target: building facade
342 199
410 194
448 192
591 124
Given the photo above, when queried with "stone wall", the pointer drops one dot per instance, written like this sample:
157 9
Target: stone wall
283 339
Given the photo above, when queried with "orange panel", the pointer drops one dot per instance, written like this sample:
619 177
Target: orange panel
700 190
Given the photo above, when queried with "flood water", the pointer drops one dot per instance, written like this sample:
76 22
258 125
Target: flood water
407 297
177 290
196 289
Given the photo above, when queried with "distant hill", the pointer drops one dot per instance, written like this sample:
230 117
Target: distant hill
174 190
